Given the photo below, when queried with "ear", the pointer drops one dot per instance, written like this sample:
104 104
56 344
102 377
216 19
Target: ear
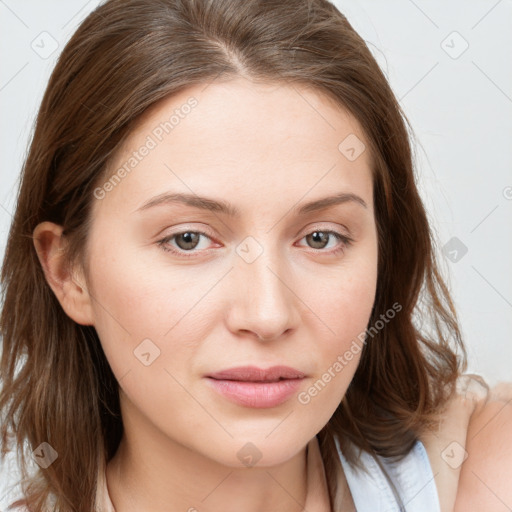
69 286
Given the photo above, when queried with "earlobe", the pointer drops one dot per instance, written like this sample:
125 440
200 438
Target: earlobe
68 285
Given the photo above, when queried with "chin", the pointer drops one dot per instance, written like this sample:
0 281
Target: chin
244 452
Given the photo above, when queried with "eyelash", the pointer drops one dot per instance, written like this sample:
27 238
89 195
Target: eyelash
346 242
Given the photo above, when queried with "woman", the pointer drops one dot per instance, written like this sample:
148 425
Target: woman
213 275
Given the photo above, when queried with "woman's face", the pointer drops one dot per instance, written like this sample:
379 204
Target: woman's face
249 276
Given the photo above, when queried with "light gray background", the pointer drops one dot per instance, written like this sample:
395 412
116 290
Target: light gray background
459 102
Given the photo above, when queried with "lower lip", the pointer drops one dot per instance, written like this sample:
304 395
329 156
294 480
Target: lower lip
256 394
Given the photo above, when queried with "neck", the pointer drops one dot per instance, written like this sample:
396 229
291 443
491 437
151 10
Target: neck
152 472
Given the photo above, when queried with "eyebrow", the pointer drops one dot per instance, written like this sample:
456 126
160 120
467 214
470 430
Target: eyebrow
219 206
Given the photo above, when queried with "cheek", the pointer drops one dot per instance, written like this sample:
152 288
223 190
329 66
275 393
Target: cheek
345 300
343 312
133 304
150 317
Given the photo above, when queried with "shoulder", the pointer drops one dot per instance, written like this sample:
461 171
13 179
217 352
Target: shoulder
486 473
446 444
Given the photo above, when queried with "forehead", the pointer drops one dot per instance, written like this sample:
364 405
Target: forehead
238 134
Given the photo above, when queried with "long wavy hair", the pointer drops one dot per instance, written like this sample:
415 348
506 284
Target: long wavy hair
57 385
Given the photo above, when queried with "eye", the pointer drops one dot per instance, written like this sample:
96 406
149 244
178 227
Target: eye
186 241
320 239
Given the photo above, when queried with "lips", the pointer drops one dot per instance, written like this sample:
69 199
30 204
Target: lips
255 374
254 387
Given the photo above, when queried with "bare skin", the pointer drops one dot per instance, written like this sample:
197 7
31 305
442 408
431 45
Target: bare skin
471 452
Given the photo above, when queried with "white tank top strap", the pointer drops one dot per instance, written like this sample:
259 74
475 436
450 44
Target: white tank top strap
412 477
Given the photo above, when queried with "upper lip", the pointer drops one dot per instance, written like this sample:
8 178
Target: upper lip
255 374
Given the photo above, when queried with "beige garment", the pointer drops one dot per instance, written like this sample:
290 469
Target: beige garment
317 494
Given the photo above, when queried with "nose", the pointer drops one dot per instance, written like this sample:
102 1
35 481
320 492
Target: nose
264 303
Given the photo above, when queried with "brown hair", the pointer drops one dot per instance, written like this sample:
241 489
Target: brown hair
125 56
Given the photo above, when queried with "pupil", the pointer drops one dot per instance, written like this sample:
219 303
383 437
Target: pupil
188 238
317 237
